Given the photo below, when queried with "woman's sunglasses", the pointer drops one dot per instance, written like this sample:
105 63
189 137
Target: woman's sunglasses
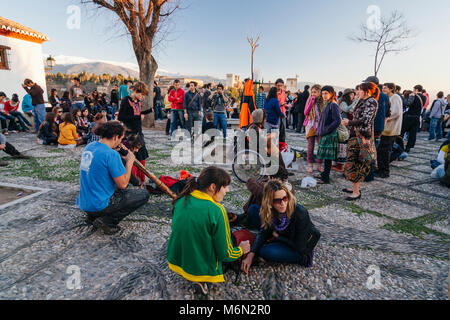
279 201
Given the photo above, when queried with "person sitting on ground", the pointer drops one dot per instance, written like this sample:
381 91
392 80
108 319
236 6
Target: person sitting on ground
82 127
86 116
201 239
285 222
68 137
442 155
59 115
12 127
12 108
209 128
99 119
104 179
445 180
398 150
49 131
9 149
66 103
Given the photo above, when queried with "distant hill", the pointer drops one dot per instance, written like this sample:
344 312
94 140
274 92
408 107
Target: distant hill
98 68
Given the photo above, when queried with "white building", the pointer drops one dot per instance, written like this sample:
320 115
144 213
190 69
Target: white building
232 80
20 57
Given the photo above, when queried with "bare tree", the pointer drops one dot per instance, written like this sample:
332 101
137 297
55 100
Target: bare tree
387 36
254 44
142 20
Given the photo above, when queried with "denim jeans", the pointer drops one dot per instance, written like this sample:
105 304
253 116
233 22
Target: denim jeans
39 115
193 116
276 251
176 119
158 111
121 204
78 105
435 129
12 122
24 123
220 121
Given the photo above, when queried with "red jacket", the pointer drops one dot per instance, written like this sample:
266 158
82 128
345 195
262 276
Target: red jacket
9 107
177 99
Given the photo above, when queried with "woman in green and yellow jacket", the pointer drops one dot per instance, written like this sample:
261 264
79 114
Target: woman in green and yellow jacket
201 239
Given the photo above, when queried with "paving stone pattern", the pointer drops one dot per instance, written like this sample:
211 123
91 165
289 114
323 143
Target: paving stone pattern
401 227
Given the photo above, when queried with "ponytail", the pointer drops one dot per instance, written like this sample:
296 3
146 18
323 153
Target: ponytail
211 175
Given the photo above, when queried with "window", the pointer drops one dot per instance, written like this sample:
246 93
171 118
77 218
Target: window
4 58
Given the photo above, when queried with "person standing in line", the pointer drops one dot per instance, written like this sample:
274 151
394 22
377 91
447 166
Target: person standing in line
37 100
361 152
392 129
176 97
302 99
125 89
168 109
282 99
436 115
411 118
260 98
327 133
380 119
206 102
313 112
131 115
192 108
77 94
157 102
273 111
218 103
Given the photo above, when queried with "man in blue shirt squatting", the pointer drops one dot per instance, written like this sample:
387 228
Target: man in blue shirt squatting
104 180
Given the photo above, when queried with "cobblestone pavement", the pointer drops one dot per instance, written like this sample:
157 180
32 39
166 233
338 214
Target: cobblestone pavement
400 227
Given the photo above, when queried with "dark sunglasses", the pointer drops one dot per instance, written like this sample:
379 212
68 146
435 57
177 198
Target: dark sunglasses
279 201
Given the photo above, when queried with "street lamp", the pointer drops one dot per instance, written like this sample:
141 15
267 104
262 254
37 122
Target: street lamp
50 63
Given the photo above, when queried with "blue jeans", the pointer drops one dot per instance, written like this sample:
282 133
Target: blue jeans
78 105
158 111
276 251
435 129
176 119
12 122
220 121
254 219
39 115
24 123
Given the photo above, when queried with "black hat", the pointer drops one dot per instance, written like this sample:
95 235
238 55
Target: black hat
328 89
372 79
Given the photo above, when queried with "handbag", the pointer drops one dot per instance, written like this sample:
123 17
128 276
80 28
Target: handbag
343 133
367 150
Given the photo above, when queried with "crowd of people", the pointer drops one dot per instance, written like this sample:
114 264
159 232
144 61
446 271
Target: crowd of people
358 132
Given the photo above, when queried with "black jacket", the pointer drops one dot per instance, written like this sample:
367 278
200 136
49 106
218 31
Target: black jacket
130 117
301 235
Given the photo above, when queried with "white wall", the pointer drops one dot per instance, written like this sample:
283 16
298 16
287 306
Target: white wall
25 61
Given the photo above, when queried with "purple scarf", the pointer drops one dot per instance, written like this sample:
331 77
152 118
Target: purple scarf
282 223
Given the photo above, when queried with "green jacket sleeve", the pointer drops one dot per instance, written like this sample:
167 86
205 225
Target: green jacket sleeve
222 239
